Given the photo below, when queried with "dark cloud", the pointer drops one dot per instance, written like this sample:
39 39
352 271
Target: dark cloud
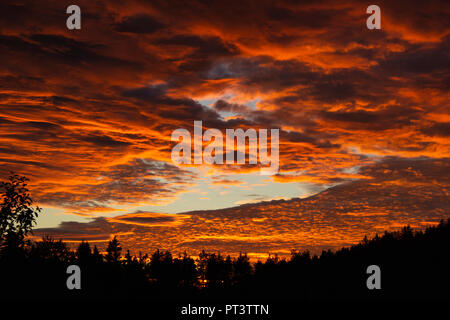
377 120
418 60
222 105
438 129
105 141
147 219
97 230
305 19
179 108
205 46
140 23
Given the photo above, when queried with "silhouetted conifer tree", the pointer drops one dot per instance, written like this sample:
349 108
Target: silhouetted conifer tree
113 251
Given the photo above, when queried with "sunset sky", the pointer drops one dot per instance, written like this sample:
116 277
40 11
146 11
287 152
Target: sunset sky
364 119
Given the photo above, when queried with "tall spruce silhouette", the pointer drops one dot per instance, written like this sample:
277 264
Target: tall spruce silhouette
113 250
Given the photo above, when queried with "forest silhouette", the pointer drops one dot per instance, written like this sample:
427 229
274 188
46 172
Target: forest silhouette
414 265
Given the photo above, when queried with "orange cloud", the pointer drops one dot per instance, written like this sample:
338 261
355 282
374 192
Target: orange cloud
88 115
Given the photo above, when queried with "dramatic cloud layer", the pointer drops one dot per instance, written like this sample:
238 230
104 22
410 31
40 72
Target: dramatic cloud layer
88 114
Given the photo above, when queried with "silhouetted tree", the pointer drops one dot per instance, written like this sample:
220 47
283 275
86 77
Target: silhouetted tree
97 256
128 257
161 267
50 249
84 253
242 268
17 216
186 270
113 250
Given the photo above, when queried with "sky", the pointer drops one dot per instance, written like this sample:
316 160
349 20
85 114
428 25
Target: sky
363 115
